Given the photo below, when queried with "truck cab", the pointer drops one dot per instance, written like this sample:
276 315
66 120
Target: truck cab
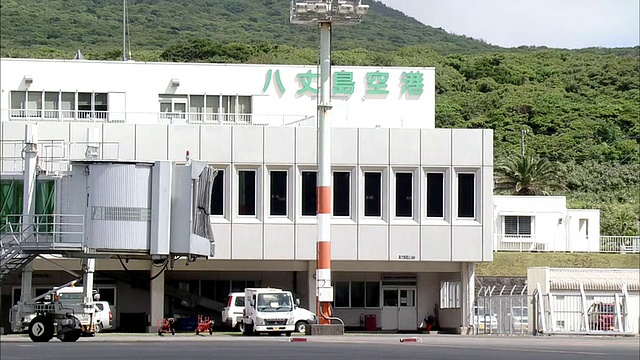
268 310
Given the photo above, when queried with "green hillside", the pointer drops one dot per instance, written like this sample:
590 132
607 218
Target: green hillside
581 107
153 24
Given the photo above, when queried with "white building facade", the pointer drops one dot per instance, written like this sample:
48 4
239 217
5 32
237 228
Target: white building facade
412 205
543 223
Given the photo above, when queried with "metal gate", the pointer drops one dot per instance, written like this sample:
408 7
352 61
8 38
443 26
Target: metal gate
580 312
502 310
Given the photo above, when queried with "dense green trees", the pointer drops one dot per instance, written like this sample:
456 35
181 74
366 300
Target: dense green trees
581 107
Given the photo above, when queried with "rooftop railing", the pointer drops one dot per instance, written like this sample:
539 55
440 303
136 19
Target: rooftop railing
569 243
158 117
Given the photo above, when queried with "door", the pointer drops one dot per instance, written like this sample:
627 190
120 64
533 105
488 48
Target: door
399 308
407 312
389 309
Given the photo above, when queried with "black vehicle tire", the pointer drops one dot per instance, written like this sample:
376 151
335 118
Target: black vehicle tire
41 329
99 328
210 331
71 336
173 331
301 326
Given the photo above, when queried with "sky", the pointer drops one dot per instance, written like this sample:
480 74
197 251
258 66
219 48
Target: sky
568 24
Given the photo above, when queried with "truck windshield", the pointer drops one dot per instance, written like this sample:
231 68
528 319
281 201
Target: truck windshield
70 298
274 302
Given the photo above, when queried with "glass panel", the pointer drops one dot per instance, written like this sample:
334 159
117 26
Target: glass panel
372 194
341 294
511 225
35 101
466 195
247 192
196 107
10 202
278 193
524 225
165 107
357 294
390 297
435 195
211 107
34 104
18 100
217 194
101 107
84 105
309 197
179 107
68 105
404 195
373 294
407 298
51 105
341 199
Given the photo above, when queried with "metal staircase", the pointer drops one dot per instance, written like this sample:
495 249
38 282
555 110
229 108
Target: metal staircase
12 258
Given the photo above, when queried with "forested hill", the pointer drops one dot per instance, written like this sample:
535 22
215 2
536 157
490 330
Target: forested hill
153 24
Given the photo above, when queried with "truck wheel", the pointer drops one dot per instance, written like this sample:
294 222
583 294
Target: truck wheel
301 326
71 336
99 328
41 329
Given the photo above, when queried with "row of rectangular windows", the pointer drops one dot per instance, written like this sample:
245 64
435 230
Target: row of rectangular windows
341 199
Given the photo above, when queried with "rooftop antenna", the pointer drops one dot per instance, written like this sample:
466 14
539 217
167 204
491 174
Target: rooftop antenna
124 30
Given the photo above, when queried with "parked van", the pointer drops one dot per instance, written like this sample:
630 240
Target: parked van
232 314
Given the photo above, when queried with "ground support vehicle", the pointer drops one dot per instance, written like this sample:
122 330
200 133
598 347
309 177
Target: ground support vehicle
205 324
268 310
67 320
166 325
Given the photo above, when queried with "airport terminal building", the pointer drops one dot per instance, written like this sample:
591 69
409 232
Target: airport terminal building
411 204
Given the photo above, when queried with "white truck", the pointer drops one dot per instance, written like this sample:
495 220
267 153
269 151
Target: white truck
268 310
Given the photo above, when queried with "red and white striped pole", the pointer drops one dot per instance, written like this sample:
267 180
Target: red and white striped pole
324 288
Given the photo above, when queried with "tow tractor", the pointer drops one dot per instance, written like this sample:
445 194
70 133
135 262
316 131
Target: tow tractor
65 318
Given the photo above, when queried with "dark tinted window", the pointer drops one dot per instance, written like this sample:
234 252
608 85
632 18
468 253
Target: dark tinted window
217 194
435 195
466 195
278 193
309 197
404 195
341 193
372 194
247 192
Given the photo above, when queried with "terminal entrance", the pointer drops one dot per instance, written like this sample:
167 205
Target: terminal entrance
399 310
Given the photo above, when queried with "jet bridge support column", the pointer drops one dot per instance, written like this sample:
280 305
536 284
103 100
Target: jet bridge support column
156 296
28 201
88 268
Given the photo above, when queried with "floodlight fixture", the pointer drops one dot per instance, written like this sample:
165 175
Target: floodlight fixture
343 12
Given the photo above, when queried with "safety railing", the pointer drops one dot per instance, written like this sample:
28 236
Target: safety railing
49 231
570 243
160 117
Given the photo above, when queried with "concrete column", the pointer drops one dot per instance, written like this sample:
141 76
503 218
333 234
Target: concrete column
26 291
156 297
311 286
468 291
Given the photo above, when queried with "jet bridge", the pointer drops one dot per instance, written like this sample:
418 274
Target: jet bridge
155 210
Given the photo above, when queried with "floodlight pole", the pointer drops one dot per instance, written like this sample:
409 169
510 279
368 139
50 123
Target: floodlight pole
324 288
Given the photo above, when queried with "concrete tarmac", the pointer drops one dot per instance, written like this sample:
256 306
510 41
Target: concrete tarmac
356 347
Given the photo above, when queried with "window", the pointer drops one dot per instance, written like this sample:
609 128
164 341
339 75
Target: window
173 106
56 104
404 194
341 294
278 193
247 192
517 225
341 193
435 195
11 195
357 294
466 195
309 196
372 194
373 294
450 294
217 194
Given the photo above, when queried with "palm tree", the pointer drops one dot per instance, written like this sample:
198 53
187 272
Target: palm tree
527 175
